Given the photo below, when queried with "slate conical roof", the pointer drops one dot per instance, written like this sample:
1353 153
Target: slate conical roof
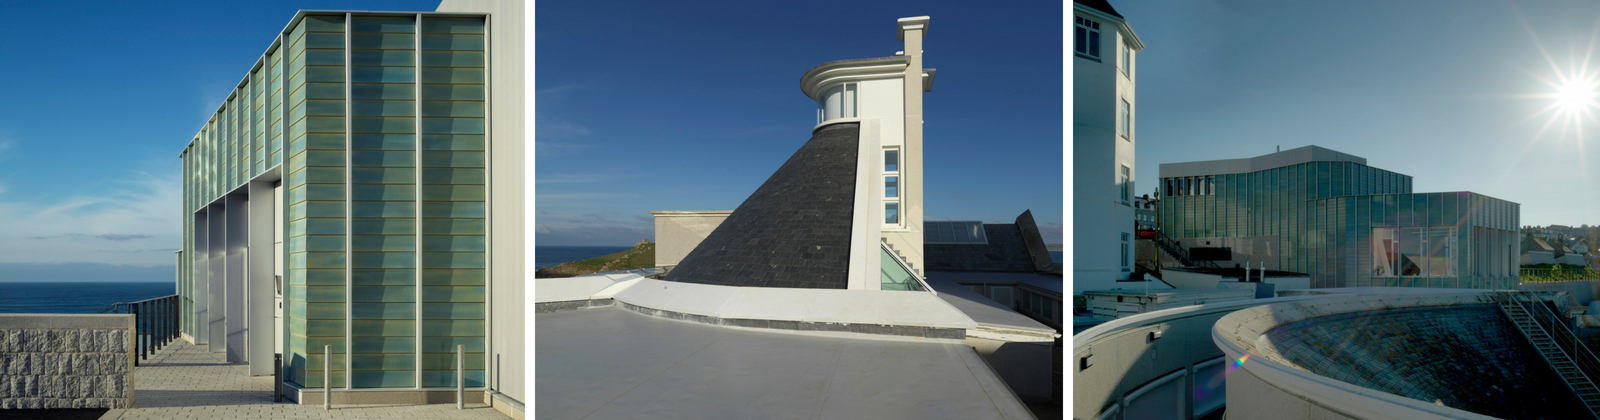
794 231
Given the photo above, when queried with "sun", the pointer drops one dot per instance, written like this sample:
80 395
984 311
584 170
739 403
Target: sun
1575 96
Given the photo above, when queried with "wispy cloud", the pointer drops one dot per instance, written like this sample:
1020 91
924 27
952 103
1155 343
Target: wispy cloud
120 223
576 179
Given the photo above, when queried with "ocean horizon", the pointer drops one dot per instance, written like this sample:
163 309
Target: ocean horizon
553 255
75 297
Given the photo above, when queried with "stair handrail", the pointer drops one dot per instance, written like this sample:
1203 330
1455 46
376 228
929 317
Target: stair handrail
1587 366
1176 249
1576 350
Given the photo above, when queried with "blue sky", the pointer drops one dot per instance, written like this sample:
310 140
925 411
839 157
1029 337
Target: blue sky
1452 93
681 106
96 101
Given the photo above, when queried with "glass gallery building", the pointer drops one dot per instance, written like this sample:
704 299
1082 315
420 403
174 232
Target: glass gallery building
361 188
1328 214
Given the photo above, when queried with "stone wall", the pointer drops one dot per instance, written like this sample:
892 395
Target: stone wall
66 361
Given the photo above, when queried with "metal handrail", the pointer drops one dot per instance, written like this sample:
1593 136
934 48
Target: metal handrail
1547 320
1175 248
155 323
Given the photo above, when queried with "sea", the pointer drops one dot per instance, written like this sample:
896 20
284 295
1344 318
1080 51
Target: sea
75 298
550 256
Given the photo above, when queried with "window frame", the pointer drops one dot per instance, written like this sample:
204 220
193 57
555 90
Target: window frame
1125 120
1125 182
1127 60
1087 30
900 187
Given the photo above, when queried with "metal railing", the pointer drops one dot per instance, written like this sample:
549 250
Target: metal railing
1172 246
1559 331
1542 275
155 323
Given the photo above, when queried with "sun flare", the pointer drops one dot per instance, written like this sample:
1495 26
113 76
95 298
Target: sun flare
1575 96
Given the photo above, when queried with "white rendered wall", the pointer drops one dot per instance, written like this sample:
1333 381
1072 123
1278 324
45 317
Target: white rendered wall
507 181
1099 216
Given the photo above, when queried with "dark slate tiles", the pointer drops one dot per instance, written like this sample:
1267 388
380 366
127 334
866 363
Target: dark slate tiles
794 231
1006 251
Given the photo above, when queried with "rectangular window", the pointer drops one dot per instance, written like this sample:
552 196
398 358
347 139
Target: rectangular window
891 160
1087 39
1127 60
1420 251
1125 120
1125 251
891 213
890 187
1126 184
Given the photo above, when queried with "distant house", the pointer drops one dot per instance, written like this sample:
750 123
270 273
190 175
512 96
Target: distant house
1144 213
1536 250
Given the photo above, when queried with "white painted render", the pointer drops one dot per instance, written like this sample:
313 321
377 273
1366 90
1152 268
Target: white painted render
1099 215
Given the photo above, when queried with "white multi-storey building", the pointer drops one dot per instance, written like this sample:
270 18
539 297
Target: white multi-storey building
1103 138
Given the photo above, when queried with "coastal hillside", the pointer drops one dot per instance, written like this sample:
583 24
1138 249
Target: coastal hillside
642 255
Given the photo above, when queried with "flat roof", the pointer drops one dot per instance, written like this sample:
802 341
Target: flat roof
983 310
613 363
1046 281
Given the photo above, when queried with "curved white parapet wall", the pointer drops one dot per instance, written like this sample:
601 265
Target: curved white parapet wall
1262 384
1129 374
906 313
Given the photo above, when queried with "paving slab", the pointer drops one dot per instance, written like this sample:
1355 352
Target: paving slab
187 381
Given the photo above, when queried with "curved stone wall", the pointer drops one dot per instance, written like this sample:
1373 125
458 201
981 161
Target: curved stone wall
1465 356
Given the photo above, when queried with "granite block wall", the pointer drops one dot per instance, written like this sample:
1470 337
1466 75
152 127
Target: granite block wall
66 361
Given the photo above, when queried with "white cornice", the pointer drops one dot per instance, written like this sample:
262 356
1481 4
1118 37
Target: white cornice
828 74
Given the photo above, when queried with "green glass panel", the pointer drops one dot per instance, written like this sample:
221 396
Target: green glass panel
396 125
322 243
325 91
323 226
382 277
452 125
452 75
459 42
384 142
452 159
383 327
452 59
319 277
447 277
324 124
448 142
462 294
321 175
383 260
383 310
383 175
453 192
321 294
371 108
382 361
447 378
384 226
326 142
400 24
452 226
324 23
324 58
385 41
383 379
324 74
449 210
315 311
452 92
381 192
381 91
468 176
317 260
333 158
434 328
453 244
321 192
447 344
383 75
319 107
393 243
391 294
470 25
399 58
452 311
362 209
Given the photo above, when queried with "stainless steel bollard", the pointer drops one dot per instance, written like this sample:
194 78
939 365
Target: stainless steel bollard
327 377
461 377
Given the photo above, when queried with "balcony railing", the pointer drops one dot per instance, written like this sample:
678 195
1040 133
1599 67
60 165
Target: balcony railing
155 323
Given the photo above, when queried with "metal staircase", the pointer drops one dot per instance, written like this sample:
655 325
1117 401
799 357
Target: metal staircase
1538 324
1175 249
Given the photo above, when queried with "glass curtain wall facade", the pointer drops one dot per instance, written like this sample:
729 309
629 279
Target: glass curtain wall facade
1324 214
376 123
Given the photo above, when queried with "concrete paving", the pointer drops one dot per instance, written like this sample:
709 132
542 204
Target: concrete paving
611 363
184 381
